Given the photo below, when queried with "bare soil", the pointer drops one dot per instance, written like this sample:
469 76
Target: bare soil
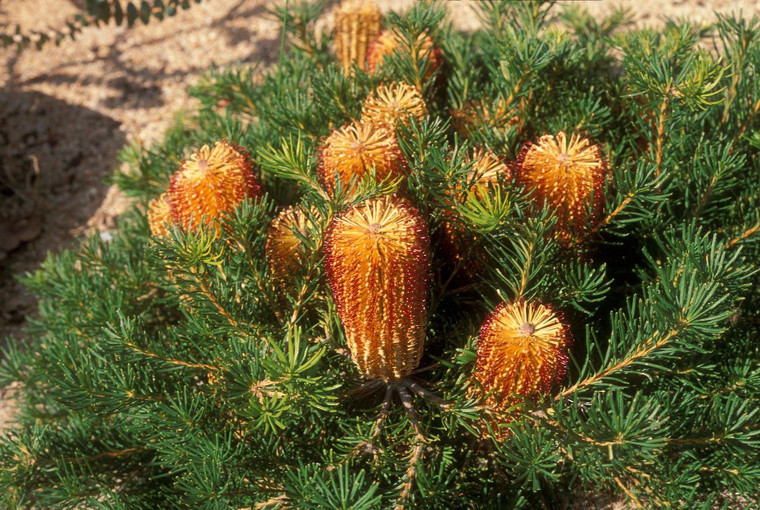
66 111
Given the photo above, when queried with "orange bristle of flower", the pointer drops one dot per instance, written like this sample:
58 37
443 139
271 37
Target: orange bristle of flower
521 353
354 150
159 216
357 24
212 181
389 104
377 260
567 174
389 42
485 171
283 248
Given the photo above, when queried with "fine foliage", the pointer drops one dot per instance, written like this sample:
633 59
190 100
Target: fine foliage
515 267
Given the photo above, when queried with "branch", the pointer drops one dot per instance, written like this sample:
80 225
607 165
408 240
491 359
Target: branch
644 349
173 361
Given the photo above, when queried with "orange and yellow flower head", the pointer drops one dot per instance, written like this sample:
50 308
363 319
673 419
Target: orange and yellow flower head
159 216
568 173
211 182
389 42
473 113
377 260
353 151
357 24
389 104
284 249
521 353
457 243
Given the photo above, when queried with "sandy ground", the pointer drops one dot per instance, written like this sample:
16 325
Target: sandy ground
66 111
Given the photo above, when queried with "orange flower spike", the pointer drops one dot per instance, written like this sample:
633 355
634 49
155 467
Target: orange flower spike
566 173
283 247
521 352
159 215
391 103
389 42
484 171
377 260
498 115
210 182
357 24
352 151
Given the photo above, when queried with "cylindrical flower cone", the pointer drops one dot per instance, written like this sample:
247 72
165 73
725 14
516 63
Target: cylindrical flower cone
159 216
357 24
391 103
283 248
521 353
389 42
456 241
377 260
351 153
566 173
212 181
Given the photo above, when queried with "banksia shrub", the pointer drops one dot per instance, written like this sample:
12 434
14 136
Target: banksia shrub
357 24
210 182
249 366
390 103
521 353
567 174
377 259
423 50
159 215
352 152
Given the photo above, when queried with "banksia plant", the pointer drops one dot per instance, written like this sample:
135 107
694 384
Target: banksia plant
210 182
159 215
283 248
521 353
353 151
252 367
357 24
390 41
389 104
377 260
568 174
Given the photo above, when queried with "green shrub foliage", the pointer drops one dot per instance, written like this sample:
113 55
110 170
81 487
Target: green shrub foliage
176 372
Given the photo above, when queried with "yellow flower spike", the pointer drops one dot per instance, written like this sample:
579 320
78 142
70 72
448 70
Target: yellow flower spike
159 216
485 170
389 42
566 173
521 352
353 151
357 24
283 248
391 103
498 115
377 260
212 181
